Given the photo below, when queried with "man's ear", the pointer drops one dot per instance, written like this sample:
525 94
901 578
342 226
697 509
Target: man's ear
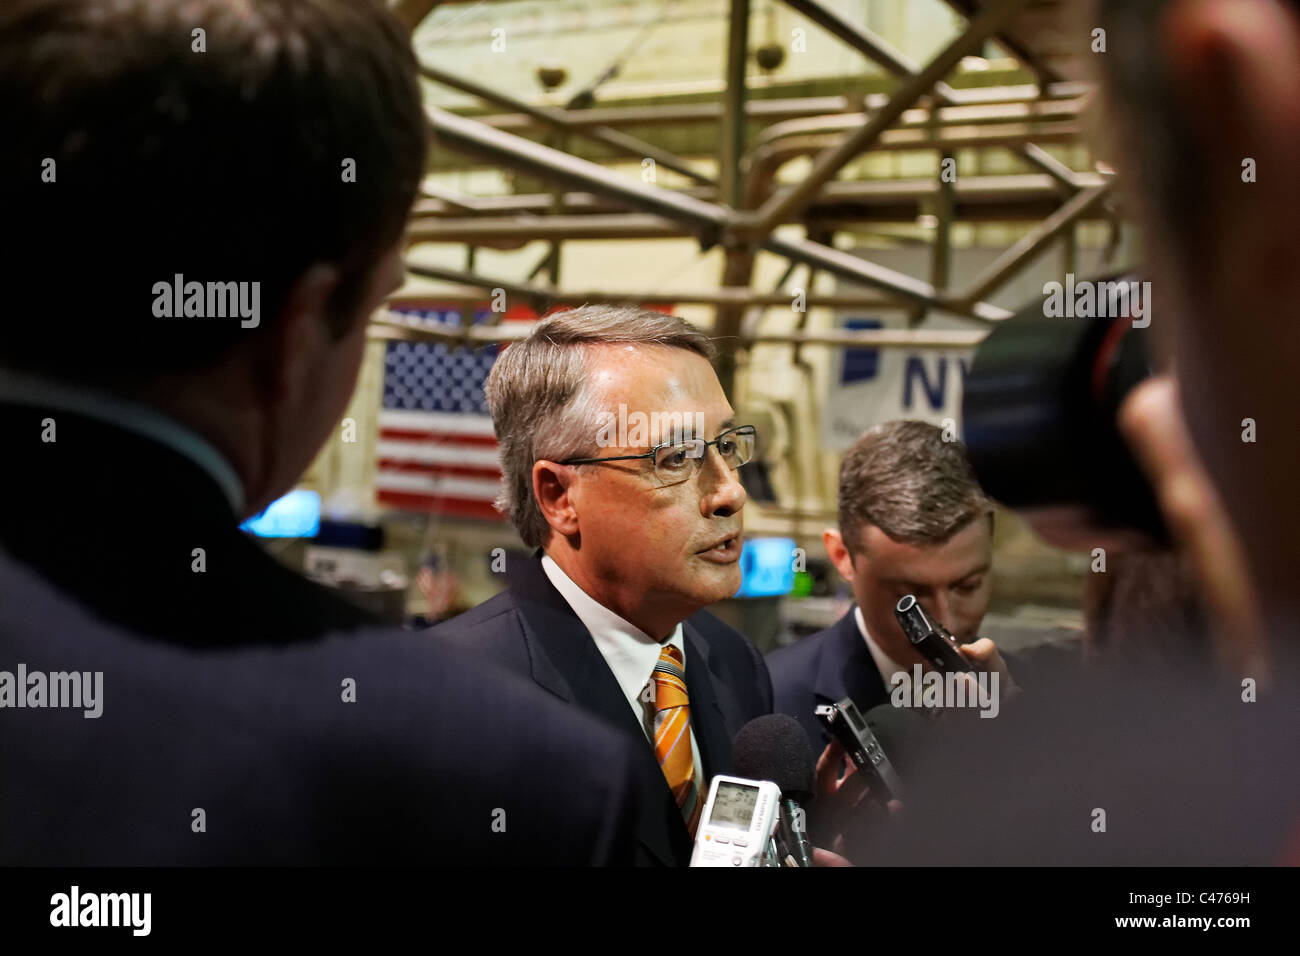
299 333
839 553
552 487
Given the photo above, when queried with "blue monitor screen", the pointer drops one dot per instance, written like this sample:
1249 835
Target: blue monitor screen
296 515
768 567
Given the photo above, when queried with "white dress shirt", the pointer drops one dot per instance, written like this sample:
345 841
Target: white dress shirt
884 663
630 652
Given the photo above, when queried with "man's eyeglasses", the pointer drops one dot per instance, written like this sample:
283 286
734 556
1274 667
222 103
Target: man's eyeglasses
676 461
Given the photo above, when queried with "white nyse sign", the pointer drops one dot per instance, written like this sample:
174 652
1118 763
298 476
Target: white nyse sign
870 386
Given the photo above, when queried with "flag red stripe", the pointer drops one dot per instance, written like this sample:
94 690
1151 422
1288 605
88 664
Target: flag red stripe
420 467
388 433
461 507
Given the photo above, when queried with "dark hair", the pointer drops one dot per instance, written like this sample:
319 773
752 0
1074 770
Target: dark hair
905 479
224 166
1147 603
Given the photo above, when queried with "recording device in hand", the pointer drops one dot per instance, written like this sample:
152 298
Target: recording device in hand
902 733
1039 411
774 747
895 738
737 823
846 724
930 638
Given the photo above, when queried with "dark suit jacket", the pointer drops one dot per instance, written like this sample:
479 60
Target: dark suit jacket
1185 771
531 630
821 669
436 748
221 694
113 518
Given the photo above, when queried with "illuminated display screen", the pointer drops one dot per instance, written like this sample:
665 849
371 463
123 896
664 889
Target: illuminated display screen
296 515
734 805
767 567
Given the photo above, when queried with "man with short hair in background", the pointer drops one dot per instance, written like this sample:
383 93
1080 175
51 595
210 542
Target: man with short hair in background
912 520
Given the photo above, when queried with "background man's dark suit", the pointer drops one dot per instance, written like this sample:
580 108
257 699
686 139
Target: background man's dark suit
413 772
114 517
531 630
821 669
835 663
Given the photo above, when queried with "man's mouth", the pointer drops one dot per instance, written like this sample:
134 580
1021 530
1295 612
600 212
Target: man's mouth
724 550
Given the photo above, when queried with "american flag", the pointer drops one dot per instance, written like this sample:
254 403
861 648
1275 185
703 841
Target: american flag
437 451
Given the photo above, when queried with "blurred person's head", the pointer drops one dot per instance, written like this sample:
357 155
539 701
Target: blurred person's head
1207 98
642 541
277 142
1146 603
913 520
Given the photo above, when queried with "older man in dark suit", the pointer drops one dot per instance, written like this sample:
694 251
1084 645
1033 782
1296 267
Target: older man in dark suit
620 450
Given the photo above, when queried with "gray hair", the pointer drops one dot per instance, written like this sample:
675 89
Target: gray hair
541 407
906 480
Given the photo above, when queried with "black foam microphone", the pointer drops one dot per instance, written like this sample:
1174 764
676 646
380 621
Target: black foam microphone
774 747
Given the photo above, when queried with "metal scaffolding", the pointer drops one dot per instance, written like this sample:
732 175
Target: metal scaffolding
741 209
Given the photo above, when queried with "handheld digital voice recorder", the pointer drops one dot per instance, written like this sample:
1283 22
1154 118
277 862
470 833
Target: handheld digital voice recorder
736 826
847 725
931 639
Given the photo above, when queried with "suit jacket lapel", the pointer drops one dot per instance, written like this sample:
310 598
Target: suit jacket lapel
565 661
712 729
563 657
847 669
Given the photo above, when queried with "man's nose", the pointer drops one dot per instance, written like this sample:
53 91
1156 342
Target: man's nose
723 493
940 609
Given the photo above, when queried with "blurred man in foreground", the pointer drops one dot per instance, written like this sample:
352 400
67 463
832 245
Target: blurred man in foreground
167 694
1159 767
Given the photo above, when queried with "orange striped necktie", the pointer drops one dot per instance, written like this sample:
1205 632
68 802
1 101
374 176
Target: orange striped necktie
672 726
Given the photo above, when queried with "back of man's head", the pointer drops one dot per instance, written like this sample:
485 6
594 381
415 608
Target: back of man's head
225 141
911 483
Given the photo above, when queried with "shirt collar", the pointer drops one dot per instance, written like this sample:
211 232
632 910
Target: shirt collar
884 663
630 652
25 389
